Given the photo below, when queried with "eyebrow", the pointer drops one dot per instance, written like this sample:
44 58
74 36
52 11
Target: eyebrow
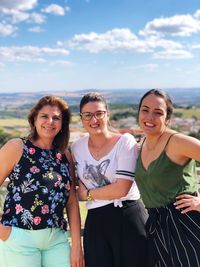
157 109
59 115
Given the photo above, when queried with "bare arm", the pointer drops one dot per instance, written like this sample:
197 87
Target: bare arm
112 191
73 214
10 154
183 147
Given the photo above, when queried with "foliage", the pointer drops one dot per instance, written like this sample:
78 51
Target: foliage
187 113
5 136
122 115
21 113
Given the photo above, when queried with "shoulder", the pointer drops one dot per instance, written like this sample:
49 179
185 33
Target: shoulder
12 151
128 138
180 139
15 144
128 143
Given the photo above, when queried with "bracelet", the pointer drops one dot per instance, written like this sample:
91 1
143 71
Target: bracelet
89 196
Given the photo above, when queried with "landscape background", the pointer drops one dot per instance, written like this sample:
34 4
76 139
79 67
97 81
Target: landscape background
70 47
123 104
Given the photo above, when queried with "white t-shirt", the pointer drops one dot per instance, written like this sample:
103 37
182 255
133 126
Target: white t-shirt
118 163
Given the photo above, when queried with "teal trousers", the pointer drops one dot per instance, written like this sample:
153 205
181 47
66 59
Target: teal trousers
35 248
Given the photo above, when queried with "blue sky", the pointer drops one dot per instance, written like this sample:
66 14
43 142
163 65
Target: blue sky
99 44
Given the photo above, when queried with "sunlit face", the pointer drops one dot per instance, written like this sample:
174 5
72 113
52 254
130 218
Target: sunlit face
48 122
153 114
98 115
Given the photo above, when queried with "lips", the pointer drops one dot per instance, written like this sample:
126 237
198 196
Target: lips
148 124
94 126
48 128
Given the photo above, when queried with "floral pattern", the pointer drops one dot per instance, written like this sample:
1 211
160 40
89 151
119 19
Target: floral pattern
38 189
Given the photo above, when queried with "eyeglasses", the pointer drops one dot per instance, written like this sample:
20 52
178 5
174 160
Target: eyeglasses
87 116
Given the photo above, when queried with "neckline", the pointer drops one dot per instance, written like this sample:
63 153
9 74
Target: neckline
163 153
37 147
112 149
147 169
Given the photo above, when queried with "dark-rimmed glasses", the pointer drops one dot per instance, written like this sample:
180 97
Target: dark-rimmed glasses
87 116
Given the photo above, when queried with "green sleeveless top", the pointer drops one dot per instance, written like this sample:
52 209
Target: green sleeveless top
164 180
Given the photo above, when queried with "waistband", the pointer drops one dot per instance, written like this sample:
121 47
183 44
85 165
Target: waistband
115 204
167 206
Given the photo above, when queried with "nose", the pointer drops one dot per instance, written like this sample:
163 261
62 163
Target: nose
50 120
150 116
93 119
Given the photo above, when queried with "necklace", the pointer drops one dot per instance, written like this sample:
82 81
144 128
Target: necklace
154 146
96 151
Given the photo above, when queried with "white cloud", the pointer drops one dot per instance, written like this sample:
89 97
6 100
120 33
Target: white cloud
36 29
178 25
155 42
29 53
18 4
119 40
7 29
172 54
197 46
55 9
37 18
16 15
197 14
114 40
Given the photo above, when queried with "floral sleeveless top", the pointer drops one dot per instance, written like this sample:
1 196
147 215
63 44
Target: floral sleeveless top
38 190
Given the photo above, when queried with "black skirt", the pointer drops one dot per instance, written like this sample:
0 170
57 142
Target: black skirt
173 237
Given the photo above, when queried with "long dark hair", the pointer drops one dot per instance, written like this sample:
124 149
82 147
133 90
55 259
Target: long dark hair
62 138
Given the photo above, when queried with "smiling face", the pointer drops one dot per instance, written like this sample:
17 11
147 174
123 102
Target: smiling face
95 125
48 122
153 114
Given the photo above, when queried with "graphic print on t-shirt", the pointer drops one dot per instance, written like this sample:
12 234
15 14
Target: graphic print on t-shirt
95 174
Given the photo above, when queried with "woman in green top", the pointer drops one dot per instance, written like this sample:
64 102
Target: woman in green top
167 180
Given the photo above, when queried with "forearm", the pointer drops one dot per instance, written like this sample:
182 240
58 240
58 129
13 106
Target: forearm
112 191
73 215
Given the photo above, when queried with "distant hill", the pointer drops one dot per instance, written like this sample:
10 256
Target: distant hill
180 97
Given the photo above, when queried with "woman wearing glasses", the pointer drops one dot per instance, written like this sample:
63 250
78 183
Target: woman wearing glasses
114 230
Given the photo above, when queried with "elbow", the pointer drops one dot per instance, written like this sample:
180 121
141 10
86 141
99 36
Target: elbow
123 189
122 192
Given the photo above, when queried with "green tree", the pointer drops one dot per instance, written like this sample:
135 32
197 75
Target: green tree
4 136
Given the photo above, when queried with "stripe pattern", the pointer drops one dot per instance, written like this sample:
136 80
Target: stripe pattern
173 237
125 173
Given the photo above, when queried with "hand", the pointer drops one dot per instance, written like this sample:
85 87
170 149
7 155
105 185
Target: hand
188 203
76 257
5 232
82 191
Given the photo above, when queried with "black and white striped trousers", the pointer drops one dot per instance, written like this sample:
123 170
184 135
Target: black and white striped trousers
173 238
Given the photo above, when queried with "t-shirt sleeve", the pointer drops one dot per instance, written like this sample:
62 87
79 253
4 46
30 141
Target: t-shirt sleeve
126 158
